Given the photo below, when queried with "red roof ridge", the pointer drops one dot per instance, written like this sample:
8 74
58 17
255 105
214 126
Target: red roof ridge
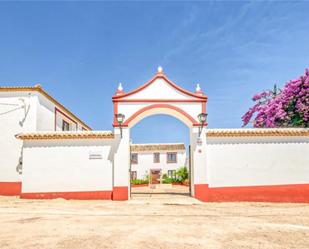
163 76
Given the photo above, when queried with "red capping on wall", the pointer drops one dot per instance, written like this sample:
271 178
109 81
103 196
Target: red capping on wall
83 195
10 188
120 193
272 193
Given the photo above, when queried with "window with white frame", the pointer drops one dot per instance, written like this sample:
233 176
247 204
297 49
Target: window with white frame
171 157
156 157
134 158
133 175
64 122
65 126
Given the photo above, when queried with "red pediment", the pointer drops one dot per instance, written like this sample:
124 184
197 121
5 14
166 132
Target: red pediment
136 94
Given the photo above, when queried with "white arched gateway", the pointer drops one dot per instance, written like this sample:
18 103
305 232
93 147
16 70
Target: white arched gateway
158 96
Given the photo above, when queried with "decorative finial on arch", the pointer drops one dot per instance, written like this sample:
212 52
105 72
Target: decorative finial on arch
198 89
120 89
160 70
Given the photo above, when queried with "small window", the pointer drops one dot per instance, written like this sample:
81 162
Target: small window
133 175
171 173
134 158
171 157
65 126
156 157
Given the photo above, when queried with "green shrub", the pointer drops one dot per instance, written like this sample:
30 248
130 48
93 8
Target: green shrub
140 181
171 180
165 176
167 180
182 174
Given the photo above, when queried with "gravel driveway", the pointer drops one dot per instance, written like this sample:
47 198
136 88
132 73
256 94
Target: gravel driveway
156 221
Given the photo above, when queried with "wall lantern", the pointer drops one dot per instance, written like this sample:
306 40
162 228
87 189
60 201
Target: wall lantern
202 118
120 118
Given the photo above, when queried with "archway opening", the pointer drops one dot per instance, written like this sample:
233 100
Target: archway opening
160 161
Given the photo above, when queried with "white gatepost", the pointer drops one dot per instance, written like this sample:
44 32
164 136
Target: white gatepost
199 174
121 167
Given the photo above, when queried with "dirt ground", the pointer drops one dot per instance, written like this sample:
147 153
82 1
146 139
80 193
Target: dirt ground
151 221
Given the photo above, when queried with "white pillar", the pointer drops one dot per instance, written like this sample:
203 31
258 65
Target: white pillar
121 178
199 172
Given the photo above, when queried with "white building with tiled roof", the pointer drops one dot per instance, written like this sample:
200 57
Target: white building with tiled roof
27 109
160 158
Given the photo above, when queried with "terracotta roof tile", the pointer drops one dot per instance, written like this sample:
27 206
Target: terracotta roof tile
257 132
156 147
66 135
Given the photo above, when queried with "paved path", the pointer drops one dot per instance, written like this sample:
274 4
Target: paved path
161 189
164 199
164 194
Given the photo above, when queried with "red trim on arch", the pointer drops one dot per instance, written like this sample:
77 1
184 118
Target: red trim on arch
204 107
156 106
115 112
10 188
157 76
272 193
160 100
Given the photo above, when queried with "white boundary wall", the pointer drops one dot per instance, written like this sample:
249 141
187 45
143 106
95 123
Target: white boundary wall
257 161
65 165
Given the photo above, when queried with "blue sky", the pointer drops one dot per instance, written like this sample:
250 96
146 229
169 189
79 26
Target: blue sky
79 51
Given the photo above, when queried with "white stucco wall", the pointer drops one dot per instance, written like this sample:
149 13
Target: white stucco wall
256 161
46 115
38 114
65 166
14 119
145 163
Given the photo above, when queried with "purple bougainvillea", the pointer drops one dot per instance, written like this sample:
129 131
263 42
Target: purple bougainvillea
288 107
